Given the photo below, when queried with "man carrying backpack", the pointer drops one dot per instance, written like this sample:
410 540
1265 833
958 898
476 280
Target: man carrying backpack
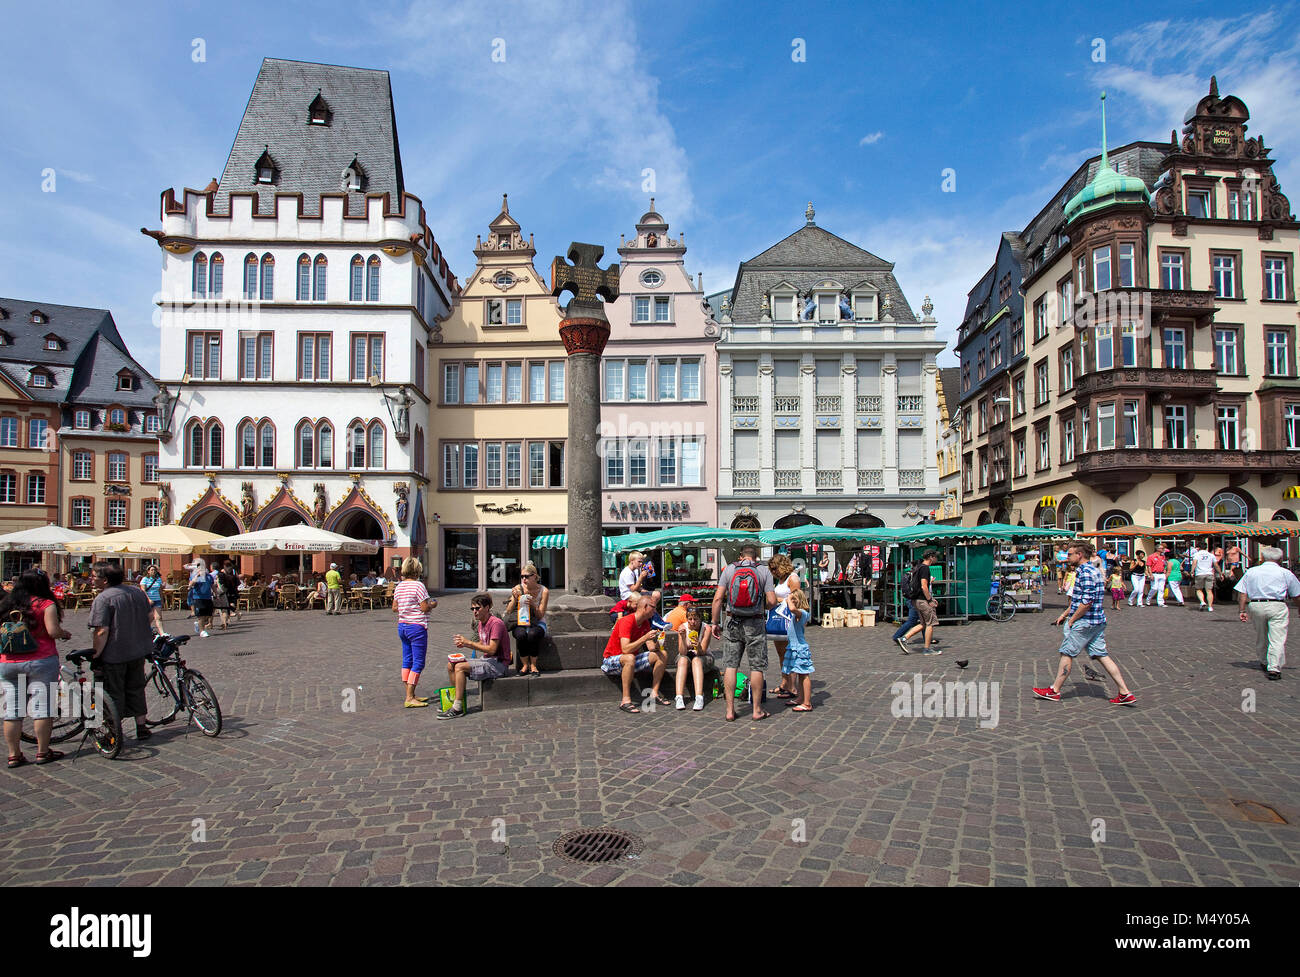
748 591
916 588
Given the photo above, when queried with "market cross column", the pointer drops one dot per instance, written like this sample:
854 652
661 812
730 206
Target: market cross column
585 330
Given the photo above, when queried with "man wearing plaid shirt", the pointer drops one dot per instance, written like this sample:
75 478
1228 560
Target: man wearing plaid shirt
1085 627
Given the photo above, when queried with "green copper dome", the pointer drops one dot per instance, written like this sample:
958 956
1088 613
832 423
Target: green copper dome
1107 187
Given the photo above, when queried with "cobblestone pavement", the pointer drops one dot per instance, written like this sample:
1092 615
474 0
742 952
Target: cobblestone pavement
298 791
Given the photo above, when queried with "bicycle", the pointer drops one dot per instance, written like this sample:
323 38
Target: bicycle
1001 606
96 718
184 688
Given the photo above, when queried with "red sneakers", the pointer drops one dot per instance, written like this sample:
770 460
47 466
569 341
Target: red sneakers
1049 694
1124 700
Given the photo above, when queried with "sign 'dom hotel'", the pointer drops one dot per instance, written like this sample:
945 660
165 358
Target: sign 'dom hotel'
1131 355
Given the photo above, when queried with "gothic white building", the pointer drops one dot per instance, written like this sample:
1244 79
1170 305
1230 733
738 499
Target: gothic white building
829 400
299 296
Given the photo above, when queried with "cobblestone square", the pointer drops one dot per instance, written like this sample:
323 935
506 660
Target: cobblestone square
298 791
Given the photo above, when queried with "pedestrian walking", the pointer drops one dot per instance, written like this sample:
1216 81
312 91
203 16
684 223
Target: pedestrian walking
200 597
916 588
412 603
152 585
333 590
1262 599
1085 629
1205 566
1157 567
1116 586
1138 577
1174 576
747 591
36 658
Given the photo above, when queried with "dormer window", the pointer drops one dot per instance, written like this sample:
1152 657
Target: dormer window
265 169
828 307
6 339
318 112
864 306
39 317
117 416
41 378
353 176
53 343
125 381
783 306
81 420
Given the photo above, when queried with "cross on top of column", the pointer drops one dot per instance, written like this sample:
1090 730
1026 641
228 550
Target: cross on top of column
588 282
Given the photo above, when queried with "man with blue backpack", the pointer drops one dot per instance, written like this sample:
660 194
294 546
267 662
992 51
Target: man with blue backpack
747 591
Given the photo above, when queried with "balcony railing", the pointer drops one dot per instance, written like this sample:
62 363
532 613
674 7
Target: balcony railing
785 405
1200 385
868 404
828 404
911 478
911 403
744 405
789 481
743 482
829 478
871 478
1116 470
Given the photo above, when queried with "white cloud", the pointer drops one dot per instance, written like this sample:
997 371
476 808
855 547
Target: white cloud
871 138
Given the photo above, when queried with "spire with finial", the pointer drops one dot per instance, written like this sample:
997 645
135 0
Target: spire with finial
1105 161
505 203
1214 86
809 214
652 203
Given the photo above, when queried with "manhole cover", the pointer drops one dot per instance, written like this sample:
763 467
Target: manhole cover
1255 811
599 845
243 654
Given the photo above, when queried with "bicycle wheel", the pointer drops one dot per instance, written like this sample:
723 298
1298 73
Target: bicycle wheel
108 734
161 700
202 702
66 711
998 610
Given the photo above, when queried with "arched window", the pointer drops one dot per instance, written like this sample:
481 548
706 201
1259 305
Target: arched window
357 448
216 276
306 454
268 278
194 443
250 277
247 446
200 283
376 439
372 279
354 278
1047 517
1074 517
318 279
1227 507
214 445
325 443
304 278
268 444
1173 507
1116 544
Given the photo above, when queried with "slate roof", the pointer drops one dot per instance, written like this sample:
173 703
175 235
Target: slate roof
310 159
85 370
805 258
949 379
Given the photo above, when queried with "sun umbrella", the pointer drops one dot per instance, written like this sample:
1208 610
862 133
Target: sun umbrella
153 540
292 539
42 539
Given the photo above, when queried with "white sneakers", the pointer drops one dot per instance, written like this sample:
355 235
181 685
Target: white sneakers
680 703
204 634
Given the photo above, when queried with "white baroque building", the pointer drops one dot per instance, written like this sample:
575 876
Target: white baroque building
828 393
300 294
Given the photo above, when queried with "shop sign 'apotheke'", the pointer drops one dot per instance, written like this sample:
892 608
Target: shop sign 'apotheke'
649 510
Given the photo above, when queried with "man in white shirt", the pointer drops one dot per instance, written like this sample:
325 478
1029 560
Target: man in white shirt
1263 593
631 580
1204 563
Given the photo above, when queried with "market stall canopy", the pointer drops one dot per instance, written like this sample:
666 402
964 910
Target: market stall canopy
154 540
42 539
1193 529
673 536
293 539
1274 527
1121 531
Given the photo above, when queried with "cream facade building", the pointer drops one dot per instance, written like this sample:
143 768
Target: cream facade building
499 445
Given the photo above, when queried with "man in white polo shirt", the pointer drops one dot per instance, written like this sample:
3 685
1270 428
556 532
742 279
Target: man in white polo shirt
1204 565
1263 591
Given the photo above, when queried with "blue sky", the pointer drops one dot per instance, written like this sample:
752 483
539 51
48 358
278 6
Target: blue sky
593 92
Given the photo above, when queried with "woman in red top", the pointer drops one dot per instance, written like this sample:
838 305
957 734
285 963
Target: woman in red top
44 618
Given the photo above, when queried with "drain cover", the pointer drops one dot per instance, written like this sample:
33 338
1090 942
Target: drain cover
598 845
243 654
1255 811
